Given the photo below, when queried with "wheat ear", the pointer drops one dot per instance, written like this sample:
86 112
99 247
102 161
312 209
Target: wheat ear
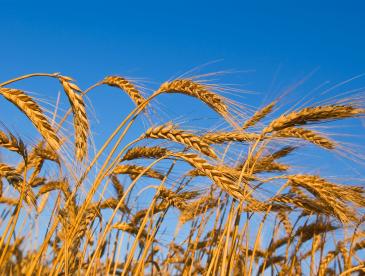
15 179
222 137
313 114
81 123
259 115
308 135
217 176
173 134
144 152
197 90
32 110
126 86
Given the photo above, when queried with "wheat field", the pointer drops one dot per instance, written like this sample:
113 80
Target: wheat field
229 200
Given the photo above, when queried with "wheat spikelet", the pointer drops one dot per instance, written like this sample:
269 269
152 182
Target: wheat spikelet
303 202
11 143
222 137
177 200
81 123
313 114
136 219
46 153
126 86
169 132
270 261
144 152
15 179
134 171
334 195
199 91
55 185
284 219
197 208
8 201
117 186
31 109
37 181
308 135
112 203
259 115
215 175
132 229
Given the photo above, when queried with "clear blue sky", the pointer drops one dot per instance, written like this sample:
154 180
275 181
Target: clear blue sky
156 39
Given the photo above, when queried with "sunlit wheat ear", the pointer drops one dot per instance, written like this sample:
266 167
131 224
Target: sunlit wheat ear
117 186
144 152
12 143
215 175
178 200
16 180
32 110
9 201
81 123
112 203
170 132
126 86
47 153
55 185
197 90
313 114
222 137
306 134
133 171
259 115
337 197
197 207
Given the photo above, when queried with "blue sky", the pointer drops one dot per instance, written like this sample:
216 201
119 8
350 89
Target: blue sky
157 39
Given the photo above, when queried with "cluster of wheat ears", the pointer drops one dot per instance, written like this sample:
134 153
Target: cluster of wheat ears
217 202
